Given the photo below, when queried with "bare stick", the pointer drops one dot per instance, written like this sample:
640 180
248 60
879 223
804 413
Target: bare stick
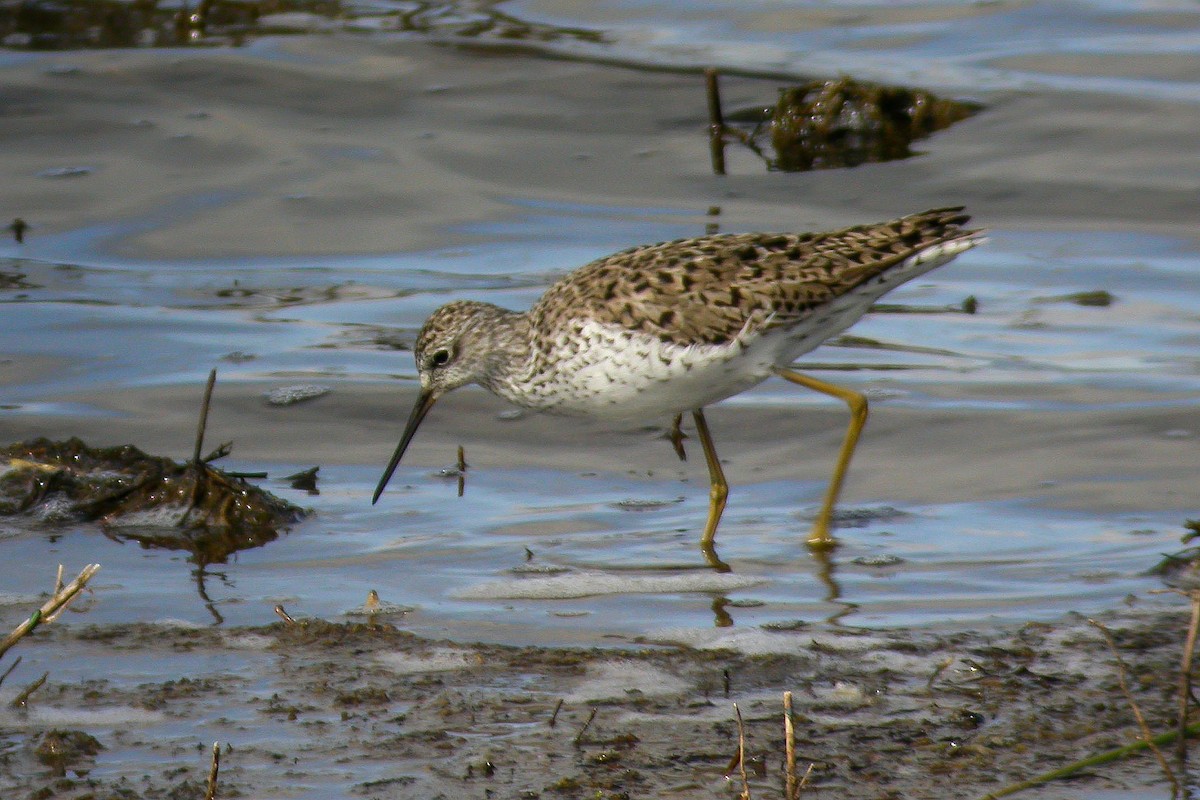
789 745
20 700
462 470
8 671
712 90
1185 675
716 121
203 423
1147 736
586 725
211 792
741 756
48 611
554 716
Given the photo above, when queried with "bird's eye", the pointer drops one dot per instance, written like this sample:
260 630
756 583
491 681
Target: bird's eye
440 358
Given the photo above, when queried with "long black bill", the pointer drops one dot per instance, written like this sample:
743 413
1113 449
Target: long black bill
424 402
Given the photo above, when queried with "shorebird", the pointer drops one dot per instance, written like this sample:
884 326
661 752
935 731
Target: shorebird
661 330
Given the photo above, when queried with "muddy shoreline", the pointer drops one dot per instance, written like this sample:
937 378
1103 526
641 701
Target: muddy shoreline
365 709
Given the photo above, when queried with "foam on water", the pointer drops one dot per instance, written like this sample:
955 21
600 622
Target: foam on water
585 584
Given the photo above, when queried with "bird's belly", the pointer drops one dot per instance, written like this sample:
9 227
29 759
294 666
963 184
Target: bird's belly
621 375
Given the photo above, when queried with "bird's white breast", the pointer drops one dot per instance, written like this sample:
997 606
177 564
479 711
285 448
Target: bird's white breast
608 371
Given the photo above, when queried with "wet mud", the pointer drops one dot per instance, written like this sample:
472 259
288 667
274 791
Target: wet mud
365 709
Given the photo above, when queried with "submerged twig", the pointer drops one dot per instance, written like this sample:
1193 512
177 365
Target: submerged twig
20 700
49 610
554 716
211 792
1147 736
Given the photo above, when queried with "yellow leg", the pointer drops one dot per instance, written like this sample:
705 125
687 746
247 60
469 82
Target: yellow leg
820 536
717 493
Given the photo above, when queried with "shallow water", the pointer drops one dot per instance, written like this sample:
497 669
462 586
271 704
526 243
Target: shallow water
101 319
596 566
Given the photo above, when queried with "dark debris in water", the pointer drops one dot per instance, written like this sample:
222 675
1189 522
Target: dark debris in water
86 24
1099 298
66 749
149 499
828 124
14 281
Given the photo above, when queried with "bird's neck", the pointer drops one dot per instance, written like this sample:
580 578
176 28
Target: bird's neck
510 353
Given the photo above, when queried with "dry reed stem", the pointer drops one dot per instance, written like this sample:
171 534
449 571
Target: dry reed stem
586 725
1147 736
49 611
1185 675
789 745
804 778
211 792
741 754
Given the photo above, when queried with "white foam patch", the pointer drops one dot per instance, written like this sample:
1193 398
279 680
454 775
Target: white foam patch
248 641
443 659
587 584
40 716
618 679
751 641
180 624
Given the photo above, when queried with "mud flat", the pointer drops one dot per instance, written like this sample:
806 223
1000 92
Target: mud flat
364 709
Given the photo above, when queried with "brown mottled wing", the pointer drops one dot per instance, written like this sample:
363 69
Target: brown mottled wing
707 289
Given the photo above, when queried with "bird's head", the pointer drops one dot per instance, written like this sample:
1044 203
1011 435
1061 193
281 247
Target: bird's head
454 348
